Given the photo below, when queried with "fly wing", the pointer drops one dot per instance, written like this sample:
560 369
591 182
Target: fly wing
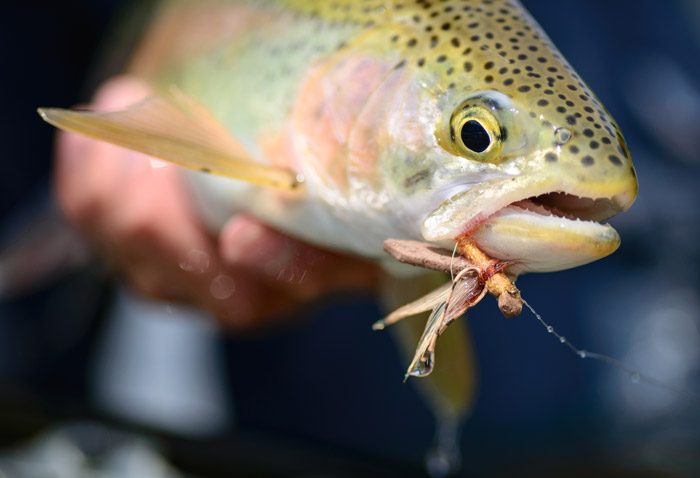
424 304
424 358
450 389
464 291
174 128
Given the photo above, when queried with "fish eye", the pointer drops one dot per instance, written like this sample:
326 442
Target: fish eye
474 136
475 132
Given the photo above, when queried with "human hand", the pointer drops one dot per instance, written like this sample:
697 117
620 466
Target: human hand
138 214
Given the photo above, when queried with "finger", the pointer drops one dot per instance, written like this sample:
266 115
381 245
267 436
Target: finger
246 244
301 271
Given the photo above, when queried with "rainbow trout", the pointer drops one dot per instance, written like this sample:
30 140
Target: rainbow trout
375 119
345 123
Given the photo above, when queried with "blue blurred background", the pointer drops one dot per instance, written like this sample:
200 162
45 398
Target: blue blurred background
327 396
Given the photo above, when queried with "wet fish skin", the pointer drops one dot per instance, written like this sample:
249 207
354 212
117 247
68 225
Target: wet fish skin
402 171
414 119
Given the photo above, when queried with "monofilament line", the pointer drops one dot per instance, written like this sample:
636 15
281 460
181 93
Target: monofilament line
634 375
452 261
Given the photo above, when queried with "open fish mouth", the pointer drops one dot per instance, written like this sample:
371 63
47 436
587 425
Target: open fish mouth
538 226
569 206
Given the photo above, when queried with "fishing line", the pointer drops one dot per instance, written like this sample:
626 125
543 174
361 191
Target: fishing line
634 375
454 253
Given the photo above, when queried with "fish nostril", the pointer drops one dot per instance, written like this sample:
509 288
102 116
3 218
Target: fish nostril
562 135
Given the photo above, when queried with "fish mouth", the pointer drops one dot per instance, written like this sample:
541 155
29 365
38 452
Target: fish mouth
569 206
536 225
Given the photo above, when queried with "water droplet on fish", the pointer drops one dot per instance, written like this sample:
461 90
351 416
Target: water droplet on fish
562 339
634 377
550 329
300 178
195 261
222 287
157 163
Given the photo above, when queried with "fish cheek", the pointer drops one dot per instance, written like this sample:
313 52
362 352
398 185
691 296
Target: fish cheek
412 173
326 115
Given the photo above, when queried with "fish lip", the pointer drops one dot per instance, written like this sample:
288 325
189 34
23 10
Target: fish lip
464 212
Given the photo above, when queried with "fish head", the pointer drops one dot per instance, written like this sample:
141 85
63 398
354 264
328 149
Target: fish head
497 137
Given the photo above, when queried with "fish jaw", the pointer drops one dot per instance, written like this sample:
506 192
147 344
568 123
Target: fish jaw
535 242
539 223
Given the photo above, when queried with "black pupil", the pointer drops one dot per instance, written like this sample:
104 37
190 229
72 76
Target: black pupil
475 137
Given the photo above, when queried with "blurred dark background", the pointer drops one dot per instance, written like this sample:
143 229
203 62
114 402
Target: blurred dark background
327 396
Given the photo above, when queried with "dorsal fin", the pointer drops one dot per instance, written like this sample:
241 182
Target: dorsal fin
175 128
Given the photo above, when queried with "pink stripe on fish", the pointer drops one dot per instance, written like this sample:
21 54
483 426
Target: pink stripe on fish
330 102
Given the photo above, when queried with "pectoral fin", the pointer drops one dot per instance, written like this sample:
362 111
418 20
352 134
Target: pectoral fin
177 129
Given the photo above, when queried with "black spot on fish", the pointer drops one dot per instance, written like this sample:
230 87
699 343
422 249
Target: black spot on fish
615 160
